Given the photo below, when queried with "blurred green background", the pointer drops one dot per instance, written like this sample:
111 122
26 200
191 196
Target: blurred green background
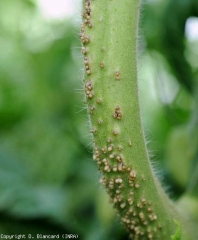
48 181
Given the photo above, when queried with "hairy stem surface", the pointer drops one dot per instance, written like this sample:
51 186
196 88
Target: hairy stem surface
109 36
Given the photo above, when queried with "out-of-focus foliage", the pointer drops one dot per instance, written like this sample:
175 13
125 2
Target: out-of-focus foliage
48 181
169 58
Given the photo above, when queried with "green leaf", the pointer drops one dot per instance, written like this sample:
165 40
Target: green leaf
177 235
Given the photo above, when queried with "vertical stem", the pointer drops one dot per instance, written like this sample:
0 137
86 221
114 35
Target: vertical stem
109 34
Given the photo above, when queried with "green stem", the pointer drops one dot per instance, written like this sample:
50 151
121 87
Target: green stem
109 34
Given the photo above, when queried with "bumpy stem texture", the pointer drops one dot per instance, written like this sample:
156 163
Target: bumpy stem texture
109 37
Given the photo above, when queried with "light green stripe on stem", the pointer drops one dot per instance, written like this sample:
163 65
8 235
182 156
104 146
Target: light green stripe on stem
109 35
